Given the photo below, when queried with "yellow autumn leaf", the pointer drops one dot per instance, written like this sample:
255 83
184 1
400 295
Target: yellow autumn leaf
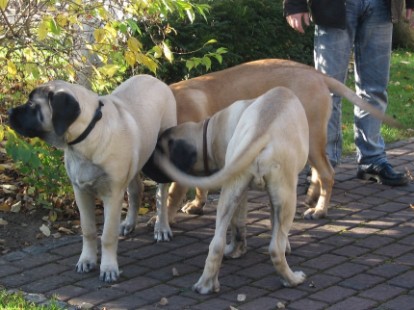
147 62
110 32
3 4
61 20
11 67
1 133
43 29
109 70
99 35
134 45
143 211
130 58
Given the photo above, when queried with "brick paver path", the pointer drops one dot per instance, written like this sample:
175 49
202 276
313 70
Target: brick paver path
360 257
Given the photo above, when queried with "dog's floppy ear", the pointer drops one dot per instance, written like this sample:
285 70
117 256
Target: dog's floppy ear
182 154
65 110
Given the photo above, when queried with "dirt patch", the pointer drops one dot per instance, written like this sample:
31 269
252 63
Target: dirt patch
20 230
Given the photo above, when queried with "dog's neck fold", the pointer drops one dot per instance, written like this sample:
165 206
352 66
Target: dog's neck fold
96 117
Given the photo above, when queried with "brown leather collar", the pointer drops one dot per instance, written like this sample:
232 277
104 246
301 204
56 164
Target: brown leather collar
205 150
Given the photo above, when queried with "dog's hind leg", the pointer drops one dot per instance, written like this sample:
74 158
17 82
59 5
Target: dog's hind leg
135 191
229 199
196 206
176 195
238 244
282 192
321 187
86 205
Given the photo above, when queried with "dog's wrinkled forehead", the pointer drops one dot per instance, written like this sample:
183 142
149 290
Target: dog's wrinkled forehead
40 95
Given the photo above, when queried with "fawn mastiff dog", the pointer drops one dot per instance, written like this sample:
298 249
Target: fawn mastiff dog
263 143
106 141
200 97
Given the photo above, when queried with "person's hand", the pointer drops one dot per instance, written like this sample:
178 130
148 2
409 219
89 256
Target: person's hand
408 15
296 21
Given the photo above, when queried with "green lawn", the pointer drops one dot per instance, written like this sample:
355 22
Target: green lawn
16 301
401 102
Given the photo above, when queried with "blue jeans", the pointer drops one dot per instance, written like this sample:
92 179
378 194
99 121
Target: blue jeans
369 34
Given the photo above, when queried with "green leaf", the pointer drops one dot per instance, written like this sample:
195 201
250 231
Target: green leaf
54 27
206 61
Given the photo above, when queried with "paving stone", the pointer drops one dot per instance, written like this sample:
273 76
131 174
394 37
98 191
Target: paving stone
405 280
97 297
346 270
264 303
333 294
289 294
393 250
136 284
382 292
374 241
362 282
404 302
155 293
388 270
360 257
217 303
307 304
68 292
6 270
249 292
324 261
351 251
354 303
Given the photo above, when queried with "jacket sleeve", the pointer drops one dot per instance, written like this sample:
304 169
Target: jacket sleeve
297 6
409 4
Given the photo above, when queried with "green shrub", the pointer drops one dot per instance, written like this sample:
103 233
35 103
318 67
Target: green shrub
248 30
42 167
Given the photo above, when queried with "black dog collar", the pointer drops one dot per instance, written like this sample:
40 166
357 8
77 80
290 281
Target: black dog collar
95 119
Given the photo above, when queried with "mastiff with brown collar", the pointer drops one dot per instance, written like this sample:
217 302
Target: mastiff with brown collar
201 97
106 141
262 143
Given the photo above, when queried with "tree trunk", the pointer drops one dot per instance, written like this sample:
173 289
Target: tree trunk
403 35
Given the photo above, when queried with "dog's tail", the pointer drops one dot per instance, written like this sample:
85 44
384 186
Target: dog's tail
216 180
342 90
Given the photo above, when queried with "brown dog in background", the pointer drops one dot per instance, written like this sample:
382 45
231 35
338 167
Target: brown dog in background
200 97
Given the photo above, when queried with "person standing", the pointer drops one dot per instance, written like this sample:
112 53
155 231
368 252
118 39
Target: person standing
363 27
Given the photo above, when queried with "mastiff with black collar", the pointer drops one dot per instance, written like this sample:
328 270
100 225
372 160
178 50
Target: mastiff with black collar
106 142
262 143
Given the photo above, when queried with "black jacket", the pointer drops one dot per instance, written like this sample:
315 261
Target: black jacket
325 12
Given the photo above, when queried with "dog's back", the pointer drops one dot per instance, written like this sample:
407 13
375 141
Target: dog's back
271 131
201 97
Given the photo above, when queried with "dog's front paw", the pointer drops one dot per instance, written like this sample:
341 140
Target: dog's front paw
84 265
193 207
109 274
162 232
297 278
208 286
314 214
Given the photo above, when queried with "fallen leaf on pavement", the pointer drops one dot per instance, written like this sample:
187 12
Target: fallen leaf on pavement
45 230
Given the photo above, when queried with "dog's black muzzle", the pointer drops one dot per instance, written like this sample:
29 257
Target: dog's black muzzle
26 120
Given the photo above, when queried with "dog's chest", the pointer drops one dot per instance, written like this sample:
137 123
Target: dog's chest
85 175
